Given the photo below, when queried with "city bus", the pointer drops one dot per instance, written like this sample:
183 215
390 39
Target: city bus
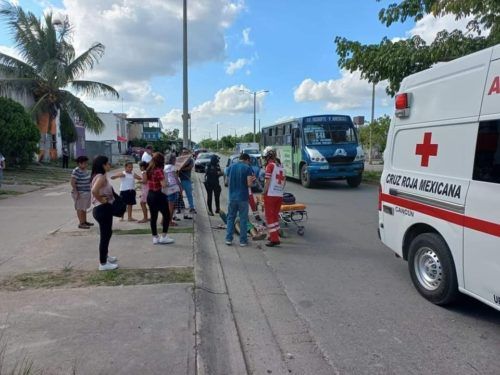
315 148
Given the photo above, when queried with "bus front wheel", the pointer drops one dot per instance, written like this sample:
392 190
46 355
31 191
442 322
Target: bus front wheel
305 178
432 270
354 181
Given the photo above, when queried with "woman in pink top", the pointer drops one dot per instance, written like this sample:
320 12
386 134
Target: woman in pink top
102 198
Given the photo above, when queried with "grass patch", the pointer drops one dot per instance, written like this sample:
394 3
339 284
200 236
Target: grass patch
9 192
69 278
148 230
372 177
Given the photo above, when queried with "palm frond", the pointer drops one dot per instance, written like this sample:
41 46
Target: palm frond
93 89
85 61
86 114
19 86
15 66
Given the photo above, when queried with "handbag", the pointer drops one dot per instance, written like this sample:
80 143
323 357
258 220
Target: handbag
118 206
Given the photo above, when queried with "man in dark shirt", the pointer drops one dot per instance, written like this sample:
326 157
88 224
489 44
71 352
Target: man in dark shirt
240 177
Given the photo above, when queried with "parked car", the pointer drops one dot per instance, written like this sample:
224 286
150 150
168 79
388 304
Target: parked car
199 151
256 165
202 161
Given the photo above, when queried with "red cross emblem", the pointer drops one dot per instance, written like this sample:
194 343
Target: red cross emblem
280 177
426 149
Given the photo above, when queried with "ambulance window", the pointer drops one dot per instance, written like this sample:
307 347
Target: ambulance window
487 159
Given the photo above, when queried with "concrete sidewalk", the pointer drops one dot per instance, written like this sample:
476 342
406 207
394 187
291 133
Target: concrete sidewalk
138 329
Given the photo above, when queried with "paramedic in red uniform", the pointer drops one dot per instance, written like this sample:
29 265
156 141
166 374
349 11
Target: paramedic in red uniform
273 195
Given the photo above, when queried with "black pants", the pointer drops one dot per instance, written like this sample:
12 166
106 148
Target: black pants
215 189
103 214
157 202
65 160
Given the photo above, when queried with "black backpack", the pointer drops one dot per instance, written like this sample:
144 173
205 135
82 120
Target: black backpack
288 198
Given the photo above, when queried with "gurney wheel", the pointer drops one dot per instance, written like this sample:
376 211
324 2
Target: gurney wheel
300 231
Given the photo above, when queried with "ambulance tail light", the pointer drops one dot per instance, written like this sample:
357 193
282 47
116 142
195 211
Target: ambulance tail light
402 105
380 197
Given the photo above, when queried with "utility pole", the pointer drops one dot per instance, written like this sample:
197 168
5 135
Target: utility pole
185 114
371 123
217 136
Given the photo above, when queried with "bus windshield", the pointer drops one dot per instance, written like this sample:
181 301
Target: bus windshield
328 134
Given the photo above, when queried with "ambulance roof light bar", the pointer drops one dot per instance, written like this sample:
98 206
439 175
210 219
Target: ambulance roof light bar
402 104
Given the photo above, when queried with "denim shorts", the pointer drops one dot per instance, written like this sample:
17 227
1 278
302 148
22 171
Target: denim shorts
173 197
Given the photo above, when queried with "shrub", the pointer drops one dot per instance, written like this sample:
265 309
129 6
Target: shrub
19 136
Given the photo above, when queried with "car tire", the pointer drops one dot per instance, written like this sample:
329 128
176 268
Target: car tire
432 269
354 181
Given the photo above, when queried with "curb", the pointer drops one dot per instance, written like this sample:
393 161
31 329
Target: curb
218 345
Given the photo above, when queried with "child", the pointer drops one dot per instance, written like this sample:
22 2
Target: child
144 192
127 187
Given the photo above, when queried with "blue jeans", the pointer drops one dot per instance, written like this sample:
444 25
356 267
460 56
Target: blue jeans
233 208
187 186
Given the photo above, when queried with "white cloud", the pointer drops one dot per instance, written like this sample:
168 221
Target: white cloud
11 52
246 37
428 27
234 66
136 112
226 102
143 39
347 92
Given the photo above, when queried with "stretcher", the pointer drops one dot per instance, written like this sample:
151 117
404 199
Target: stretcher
294 214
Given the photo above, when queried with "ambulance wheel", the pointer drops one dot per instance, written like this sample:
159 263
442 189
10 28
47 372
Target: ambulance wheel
305 178
432 270
354 181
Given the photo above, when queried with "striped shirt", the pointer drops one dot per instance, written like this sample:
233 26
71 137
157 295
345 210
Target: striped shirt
82 179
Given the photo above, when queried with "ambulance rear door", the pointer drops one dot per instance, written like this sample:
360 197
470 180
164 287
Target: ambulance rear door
482 213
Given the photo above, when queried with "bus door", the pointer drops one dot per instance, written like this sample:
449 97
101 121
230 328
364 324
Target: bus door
295 151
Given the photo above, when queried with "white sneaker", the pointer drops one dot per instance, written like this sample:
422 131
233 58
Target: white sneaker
108 266
229 243
166 240
156 240
112 259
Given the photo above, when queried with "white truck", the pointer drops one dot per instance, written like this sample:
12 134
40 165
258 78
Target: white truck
439 199
251 148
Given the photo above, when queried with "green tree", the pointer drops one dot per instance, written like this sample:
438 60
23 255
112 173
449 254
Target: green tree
68 131
379 129
395 60
49 68
18 133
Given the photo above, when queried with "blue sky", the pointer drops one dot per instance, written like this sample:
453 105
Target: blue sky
284 46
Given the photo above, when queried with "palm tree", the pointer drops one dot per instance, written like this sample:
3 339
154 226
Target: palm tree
49 71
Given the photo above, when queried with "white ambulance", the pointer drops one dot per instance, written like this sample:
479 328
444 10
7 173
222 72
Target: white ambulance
439 200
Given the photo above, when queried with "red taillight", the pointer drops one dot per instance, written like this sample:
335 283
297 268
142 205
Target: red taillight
402 105
380 197
402 101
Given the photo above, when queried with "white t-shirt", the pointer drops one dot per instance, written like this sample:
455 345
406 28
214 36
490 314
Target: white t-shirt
146 157
127 182
171 179
2 159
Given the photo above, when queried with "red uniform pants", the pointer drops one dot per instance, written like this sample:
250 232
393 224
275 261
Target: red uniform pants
272 207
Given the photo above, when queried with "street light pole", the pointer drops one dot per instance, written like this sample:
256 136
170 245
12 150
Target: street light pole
371 124
254 93
217 136
185 113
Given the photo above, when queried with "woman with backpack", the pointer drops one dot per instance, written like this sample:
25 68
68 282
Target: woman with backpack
212 174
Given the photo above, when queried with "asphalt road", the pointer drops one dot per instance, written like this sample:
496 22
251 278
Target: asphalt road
358 300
